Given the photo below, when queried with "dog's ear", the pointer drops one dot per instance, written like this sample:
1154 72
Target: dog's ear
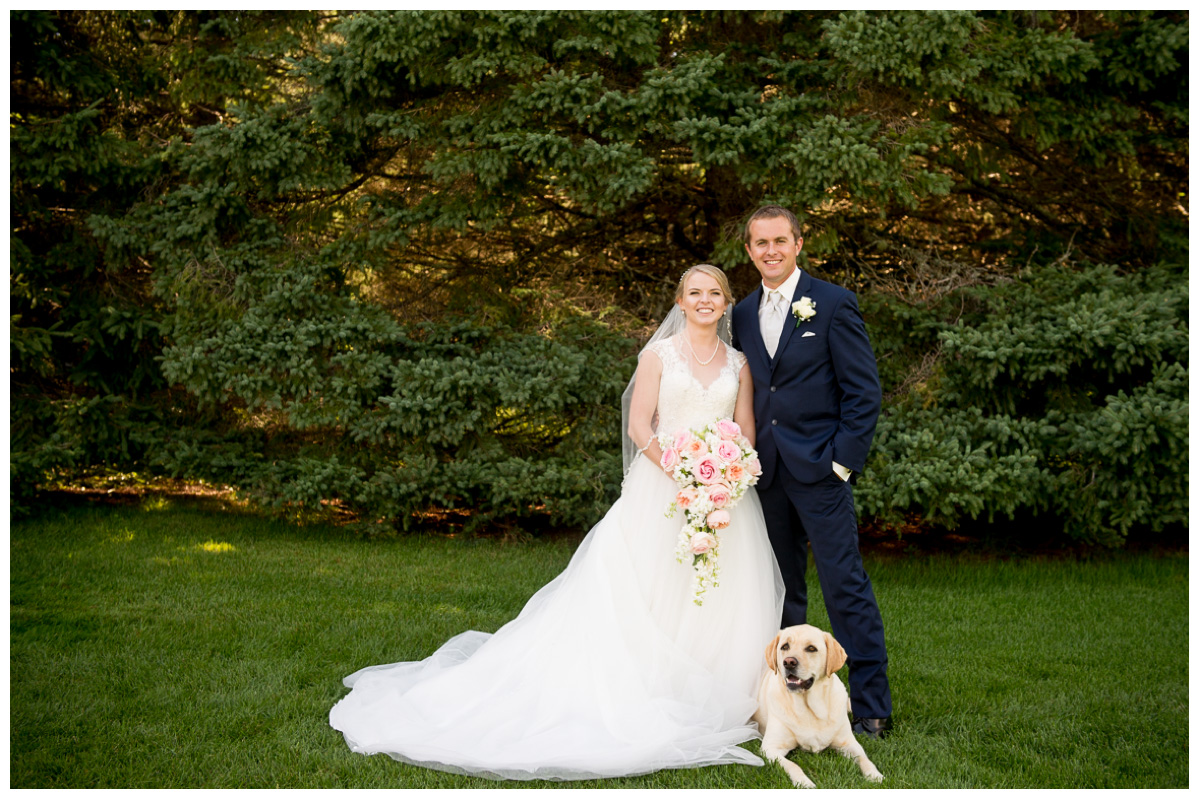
771 650
835 655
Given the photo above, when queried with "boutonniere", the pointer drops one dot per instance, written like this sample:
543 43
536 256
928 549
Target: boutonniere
804 309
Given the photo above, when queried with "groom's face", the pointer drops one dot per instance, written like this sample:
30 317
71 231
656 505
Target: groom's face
773 249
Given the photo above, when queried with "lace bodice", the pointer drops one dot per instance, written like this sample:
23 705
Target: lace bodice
683 400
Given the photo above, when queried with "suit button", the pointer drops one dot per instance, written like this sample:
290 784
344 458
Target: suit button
772 388
774 422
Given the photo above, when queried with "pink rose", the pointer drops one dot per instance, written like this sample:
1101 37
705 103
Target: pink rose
703 541
728 451
695 448
755 467
686 496
728 429
707 470
718 519
670 459
720 494
735 472
681 438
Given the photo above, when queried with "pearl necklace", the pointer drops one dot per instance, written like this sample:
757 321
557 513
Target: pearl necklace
687 340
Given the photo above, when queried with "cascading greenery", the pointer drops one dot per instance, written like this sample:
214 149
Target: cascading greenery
394 259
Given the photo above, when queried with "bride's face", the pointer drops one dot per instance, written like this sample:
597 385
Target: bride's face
703 302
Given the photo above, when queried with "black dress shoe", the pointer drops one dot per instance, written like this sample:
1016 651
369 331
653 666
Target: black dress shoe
870 726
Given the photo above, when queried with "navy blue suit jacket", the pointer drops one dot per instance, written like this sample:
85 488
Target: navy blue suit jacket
817 400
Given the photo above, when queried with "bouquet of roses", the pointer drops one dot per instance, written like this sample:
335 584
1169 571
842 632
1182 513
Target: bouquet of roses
714 467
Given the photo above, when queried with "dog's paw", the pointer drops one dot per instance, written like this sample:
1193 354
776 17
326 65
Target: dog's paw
875 776
799 779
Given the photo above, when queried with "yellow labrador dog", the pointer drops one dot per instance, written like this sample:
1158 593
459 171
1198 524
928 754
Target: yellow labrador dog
802 703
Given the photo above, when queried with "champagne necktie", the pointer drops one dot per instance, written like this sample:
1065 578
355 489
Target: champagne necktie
775 318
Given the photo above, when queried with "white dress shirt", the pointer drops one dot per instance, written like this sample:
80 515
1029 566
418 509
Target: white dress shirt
772 316
773 310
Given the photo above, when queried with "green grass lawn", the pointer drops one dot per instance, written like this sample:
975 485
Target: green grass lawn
171 646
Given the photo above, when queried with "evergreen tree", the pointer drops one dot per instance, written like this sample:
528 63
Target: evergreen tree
96 97
1062 393
387 258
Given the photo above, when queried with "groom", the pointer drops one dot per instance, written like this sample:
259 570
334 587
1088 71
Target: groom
816 399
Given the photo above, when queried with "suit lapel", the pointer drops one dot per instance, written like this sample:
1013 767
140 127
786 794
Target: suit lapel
751 336
789 322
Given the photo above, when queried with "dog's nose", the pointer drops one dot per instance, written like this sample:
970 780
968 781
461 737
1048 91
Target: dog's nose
790 663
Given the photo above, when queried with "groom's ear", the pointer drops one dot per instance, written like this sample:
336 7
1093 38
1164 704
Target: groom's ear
772 649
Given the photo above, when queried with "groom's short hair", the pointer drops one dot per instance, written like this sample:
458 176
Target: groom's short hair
771 212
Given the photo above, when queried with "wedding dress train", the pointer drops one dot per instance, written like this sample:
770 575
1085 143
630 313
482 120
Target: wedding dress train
611 669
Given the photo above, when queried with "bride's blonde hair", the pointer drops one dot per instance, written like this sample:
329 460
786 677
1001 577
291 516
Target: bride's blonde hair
716 273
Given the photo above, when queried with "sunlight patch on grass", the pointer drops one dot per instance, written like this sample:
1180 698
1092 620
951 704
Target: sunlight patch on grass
216 547
156 503
124 537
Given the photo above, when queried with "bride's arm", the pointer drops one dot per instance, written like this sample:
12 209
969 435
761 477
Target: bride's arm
643 404
743 412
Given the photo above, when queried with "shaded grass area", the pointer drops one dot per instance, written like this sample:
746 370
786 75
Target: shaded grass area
165 645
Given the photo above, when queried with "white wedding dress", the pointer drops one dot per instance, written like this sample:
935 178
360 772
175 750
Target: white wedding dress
611 669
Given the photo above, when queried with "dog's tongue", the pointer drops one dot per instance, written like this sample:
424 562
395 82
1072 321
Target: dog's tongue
794 681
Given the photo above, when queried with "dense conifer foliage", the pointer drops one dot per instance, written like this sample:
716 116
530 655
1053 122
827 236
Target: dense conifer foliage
401 260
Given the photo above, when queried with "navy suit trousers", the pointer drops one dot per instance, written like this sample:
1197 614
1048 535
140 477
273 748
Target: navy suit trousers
821 515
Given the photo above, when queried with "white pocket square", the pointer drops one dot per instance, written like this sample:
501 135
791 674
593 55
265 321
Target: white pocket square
808 333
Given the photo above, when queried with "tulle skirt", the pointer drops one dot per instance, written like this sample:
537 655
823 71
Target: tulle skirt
611 669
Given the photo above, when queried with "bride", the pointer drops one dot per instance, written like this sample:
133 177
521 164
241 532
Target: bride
611 669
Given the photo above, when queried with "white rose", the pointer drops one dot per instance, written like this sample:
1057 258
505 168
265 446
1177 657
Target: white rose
804 309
